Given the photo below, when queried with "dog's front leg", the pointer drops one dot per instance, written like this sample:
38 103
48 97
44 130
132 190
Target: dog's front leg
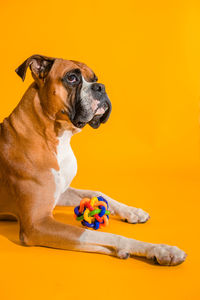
51 233
72 197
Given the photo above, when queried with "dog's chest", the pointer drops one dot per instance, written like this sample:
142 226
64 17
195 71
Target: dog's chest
67 164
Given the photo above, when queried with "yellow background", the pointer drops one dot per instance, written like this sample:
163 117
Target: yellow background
148 55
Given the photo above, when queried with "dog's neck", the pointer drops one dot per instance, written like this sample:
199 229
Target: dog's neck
30 116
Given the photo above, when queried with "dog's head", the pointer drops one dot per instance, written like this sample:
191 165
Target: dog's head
68 90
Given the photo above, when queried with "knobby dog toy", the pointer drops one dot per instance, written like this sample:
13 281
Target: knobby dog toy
93 213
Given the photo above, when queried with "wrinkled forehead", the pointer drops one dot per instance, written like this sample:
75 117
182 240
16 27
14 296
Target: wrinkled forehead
62 66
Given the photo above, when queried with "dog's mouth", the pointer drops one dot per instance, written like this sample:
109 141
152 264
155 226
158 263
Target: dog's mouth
101 115
79 124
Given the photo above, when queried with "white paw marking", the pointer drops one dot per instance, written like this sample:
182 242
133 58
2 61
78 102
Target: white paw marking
167 255
134 215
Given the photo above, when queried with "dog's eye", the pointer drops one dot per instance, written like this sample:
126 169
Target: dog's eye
72 78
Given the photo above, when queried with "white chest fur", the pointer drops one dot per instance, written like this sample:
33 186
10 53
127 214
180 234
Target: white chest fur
67 164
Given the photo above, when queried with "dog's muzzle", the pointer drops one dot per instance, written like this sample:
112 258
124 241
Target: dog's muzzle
84 114
101 118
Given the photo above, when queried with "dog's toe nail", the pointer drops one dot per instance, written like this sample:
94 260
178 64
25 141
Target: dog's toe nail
127 255
123 254
155 260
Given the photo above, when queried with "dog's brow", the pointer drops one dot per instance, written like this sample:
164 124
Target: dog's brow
93 79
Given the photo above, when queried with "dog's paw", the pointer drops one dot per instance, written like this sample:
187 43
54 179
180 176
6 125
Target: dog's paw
134 215
167 255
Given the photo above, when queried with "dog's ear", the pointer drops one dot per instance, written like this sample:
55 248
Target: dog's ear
40 66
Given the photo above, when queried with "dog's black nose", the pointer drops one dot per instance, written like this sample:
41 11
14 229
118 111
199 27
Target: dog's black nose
98 87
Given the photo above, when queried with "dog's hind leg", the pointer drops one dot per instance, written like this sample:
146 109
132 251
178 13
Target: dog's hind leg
72 197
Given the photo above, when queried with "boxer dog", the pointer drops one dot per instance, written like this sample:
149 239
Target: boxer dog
37 164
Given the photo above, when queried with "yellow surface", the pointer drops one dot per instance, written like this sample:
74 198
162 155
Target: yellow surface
147 155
